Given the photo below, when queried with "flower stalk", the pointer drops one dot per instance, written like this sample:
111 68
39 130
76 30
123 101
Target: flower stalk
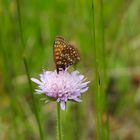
59 129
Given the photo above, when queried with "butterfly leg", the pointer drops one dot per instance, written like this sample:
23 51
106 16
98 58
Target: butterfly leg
57 70
63 68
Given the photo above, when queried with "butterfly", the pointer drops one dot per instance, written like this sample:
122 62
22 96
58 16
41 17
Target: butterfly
64 54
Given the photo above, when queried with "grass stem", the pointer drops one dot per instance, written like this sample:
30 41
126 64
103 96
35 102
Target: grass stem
20 23
98 81
33 100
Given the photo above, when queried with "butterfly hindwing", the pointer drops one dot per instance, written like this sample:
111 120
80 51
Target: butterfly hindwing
70 55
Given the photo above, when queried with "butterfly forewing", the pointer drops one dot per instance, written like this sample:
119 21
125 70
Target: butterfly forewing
64 54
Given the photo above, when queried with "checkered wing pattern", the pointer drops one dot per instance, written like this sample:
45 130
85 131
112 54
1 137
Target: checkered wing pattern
64 54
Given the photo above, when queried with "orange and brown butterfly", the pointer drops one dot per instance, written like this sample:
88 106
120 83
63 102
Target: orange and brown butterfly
65 54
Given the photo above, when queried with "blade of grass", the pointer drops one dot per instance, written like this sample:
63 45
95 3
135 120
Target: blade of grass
99 97
103 55
103 70
33 100
20 23
99 122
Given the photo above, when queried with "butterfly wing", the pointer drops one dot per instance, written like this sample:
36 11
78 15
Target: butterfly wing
64 54
70 55
59 45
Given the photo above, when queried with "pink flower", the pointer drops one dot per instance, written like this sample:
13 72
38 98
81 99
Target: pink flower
61 87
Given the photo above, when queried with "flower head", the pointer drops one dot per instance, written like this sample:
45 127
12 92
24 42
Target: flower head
61 87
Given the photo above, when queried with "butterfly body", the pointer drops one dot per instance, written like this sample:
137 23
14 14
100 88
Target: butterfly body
64 54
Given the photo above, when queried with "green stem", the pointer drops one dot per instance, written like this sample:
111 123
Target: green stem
59 129
99 109
33 99
104 68
103 41
20 23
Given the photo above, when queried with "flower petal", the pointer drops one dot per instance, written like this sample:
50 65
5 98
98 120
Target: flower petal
74 73
38 91
77 100
36 81
84 84
83 90
63 105
81 77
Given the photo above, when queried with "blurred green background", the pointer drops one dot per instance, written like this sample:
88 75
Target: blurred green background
28 28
